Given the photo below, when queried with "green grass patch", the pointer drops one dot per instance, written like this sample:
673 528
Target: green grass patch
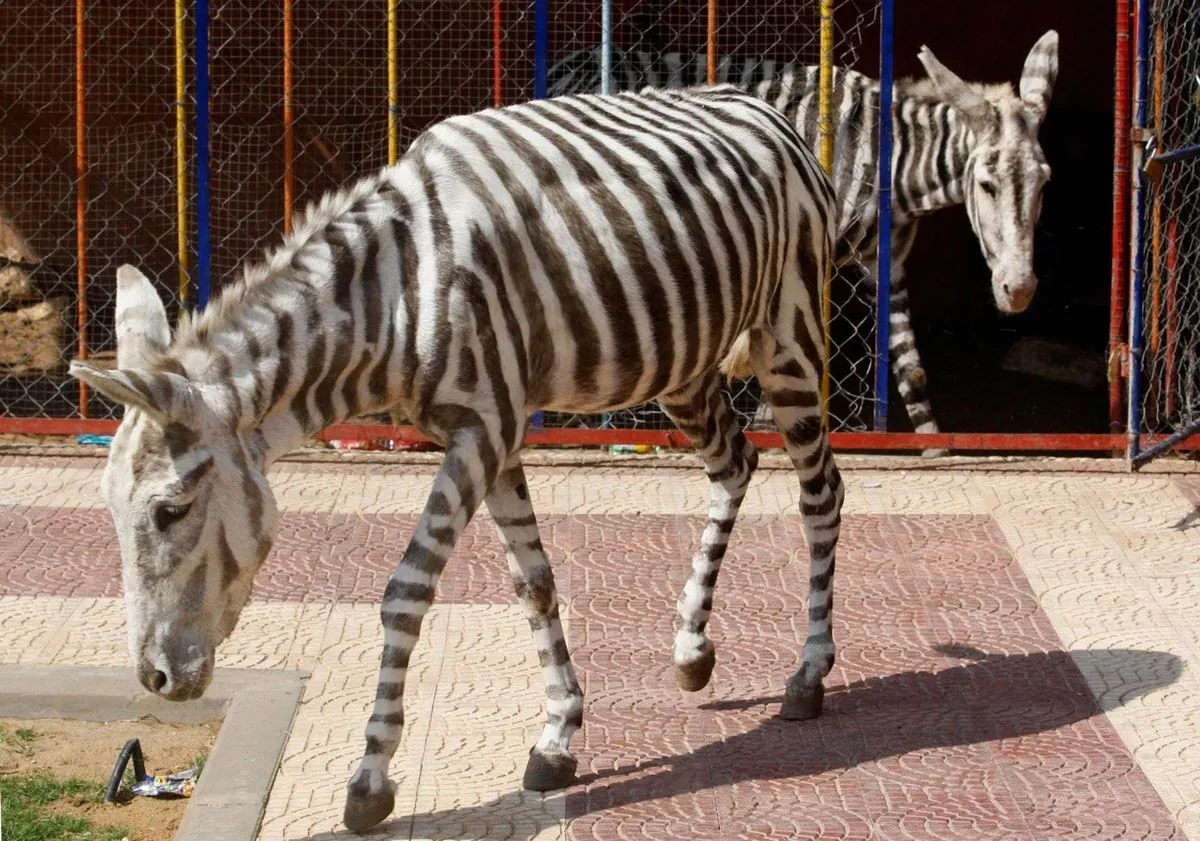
24 799
19 741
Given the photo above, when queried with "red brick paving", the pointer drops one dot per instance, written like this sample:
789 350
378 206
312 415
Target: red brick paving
952 712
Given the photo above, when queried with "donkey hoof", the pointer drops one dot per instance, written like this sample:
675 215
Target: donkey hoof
802 704
365 809
694 676
549 771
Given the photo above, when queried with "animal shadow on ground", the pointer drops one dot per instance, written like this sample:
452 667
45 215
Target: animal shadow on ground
989 697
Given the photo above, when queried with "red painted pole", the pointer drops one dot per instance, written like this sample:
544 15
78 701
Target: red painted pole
1172 374
1122 139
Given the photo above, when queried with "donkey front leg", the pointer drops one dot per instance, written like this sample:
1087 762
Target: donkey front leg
468 470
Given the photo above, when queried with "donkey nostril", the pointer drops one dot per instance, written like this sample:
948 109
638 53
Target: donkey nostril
1004 287
159 680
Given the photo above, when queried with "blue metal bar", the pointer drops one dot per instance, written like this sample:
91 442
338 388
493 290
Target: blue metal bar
1177 154
1136 373
541 40
1150 453
606 46
883 318
203 190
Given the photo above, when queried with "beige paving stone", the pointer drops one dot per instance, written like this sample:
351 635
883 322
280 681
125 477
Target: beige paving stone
60 487
1113 574
469 723
34 628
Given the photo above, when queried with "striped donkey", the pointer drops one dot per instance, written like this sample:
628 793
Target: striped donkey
580 254
955 143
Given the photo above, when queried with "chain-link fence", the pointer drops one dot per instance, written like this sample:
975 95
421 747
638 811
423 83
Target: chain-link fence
119 184
760 46
1170 231
71 212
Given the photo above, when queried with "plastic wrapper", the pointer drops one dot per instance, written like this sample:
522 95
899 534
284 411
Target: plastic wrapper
180 784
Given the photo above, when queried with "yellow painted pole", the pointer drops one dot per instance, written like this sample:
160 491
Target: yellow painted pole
393 50
181 162
825 152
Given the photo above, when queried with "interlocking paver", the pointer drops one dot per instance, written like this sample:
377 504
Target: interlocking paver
1016 652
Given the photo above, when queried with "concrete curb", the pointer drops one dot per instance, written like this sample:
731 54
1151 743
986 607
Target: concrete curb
257 707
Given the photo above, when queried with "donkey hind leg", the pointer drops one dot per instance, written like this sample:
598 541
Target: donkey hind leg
700 411
791 383
551 765
468 470
911 380
907 367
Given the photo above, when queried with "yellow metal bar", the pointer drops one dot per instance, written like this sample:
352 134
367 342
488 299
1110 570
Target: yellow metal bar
393 24
181 162
825 151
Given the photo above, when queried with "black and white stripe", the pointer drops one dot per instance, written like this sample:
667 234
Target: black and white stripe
580 254
934 142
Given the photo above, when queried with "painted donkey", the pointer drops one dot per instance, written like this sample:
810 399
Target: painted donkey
578 254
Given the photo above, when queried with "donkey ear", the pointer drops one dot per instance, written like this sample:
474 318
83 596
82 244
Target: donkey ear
142 329
1039 75
166 397
954 90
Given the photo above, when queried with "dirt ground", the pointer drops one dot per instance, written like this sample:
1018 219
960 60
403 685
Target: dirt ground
88 750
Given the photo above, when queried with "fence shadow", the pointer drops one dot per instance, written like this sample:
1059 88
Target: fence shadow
989 697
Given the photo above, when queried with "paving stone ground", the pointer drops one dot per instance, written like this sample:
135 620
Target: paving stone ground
1016 653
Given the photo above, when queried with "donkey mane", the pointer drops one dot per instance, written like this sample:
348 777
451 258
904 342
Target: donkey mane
301 251
923 91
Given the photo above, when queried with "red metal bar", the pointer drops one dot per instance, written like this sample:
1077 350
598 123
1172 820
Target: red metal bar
870 441
497 56
1172 374
1122 121
81 193
289 121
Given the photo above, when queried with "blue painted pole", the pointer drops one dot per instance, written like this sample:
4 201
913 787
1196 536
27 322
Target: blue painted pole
606 46
883 317
203 188
541 41
1139 242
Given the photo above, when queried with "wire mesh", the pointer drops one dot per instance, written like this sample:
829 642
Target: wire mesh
1171 234
338 57
128 75
759 43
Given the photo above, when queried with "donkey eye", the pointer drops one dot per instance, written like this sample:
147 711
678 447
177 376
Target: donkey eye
988 187
167 515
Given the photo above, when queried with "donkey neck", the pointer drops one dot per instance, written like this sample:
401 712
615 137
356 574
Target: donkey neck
929 161
308 338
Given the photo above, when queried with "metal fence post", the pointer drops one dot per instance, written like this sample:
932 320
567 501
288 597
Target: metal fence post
1135 297
883 272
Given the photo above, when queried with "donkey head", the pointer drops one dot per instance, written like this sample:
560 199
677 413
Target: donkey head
1006 170
194 514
